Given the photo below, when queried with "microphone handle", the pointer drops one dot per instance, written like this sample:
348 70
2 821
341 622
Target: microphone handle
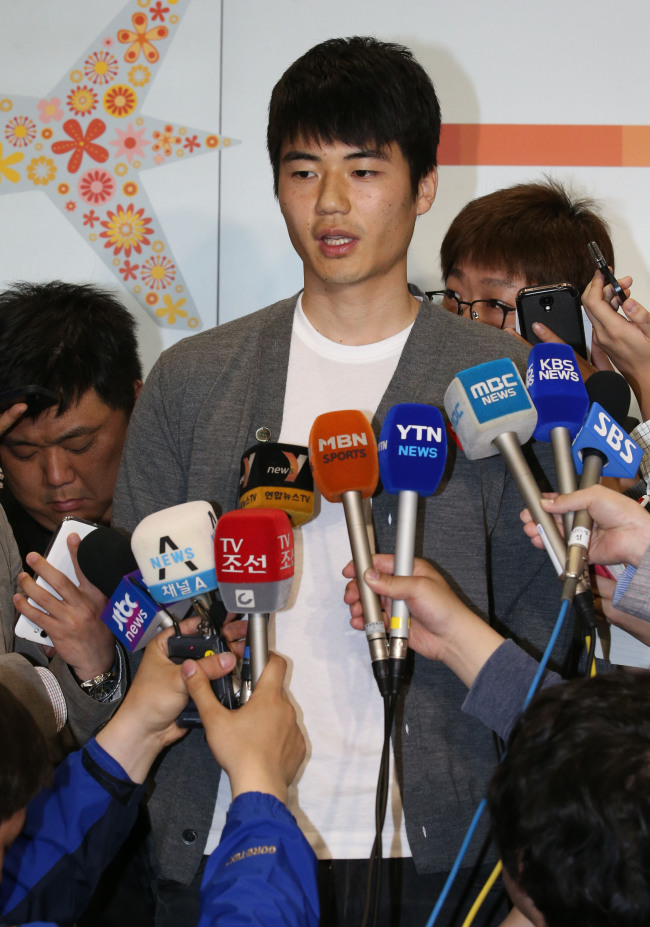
356 524
258 638
592 468
567 480
407 509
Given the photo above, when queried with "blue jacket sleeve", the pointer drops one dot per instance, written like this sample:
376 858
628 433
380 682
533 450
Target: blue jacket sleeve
72 831
263 872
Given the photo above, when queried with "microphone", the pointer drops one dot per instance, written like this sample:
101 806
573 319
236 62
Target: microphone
412 452
343 459
254 558
491 412
601 448
558 391
277 476
106 560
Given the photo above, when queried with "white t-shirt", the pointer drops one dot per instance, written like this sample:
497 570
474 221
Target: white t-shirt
330 677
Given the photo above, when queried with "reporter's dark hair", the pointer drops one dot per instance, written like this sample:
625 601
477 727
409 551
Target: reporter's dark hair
70 338
25 764
570 803
358 91
537 231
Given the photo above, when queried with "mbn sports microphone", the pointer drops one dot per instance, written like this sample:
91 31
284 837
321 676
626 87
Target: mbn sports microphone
277 476
343 459
254 557
412 452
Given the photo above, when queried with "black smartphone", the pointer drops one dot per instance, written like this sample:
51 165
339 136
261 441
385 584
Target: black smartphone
557 306
36 397
603 267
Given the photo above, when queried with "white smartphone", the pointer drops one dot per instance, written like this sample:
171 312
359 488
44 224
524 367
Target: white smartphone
58 555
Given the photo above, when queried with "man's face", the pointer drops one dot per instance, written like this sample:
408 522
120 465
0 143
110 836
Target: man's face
471 282
66 465
9 830
350 212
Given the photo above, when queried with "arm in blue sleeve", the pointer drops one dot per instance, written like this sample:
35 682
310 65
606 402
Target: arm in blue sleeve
72 831
263 872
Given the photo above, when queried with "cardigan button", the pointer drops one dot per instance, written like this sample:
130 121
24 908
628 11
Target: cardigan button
189 836
263 433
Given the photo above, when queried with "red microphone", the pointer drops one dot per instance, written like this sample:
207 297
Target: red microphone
343 459
253 553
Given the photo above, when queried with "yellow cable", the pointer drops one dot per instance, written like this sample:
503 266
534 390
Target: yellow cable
592 665
496 872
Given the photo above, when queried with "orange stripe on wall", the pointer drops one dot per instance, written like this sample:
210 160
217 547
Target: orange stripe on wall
585 146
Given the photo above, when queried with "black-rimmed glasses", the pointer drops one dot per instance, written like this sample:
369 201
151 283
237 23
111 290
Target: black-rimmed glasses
491 311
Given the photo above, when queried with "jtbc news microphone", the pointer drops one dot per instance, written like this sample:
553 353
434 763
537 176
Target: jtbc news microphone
343 458
412 452
253 553
492 413
558 391
601 448
106 560
277 476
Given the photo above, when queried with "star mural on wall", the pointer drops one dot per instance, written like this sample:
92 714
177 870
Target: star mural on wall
85 142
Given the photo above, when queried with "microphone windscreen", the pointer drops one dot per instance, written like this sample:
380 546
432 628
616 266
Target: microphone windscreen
174 549
486 401
254 558
105 556
131 614
557 389
277 476
611 391
412 449
343 454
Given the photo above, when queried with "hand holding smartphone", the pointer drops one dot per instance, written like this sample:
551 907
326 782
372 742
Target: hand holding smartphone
557 306
37 398
603 267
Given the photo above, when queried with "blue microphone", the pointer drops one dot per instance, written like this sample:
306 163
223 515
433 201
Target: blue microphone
558 391
412 452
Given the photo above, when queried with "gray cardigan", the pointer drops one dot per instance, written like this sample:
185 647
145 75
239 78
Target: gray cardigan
201 407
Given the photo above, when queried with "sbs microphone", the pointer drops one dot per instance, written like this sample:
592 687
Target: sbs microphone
277 476
558 391
491 412
254 558
343 459
412 452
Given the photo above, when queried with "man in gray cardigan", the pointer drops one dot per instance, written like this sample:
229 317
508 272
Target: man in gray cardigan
353 134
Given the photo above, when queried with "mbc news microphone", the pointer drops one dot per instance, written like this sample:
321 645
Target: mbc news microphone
412 452
343 459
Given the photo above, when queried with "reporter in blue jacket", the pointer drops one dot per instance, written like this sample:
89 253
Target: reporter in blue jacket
55 848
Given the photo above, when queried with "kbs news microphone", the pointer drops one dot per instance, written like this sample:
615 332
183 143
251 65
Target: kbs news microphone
601 448
558 391
343 459
106 560
277 476
491 412
253 553
412 453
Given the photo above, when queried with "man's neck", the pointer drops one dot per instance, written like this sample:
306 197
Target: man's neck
358 315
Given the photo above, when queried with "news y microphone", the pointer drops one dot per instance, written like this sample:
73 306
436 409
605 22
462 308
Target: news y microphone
343 459
254 557
412 452
277 476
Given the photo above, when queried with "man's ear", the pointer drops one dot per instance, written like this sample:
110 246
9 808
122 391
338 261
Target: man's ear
137 387
427 188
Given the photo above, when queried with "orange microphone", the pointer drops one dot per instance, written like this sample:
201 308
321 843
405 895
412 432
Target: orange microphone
343 459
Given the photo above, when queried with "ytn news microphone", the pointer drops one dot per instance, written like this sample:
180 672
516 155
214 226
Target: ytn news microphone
343 459
558 391
601 448
277 476
412 452
491 412
254 557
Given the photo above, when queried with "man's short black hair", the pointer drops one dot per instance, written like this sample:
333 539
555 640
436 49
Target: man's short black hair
358 91
69 338
570 803
25 764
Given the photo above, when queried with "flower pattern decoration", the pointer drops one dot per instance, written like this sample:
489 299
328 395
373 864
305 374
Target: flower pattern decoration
96 186
120 100
165 140
101 67
128 270
82 101
50 109
81 143
139 75
130 143
20 131
41 171
90 218
141 39
171 309
6 166
126 229
158 272
158 11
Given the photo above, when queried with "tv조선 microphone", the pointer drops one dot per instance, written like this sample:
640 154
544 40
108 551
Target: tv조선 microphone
254 557
277 476
343 458
412 452
558 391
106 560
601 448
492 413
